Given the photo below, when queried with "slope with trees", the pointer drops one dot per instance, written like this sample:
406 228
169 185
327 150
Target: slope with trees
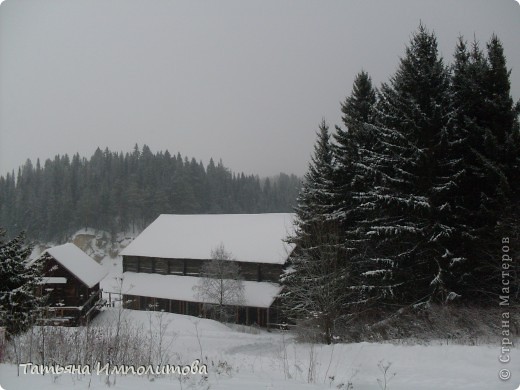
115 191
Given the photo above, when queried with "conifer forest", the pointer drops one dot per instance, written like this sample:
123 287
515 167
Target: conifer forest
117 192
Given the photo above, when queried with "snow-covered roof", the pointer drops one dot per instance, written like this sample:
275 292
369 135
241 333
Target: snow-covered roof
53 280
78 263
177 287
249 237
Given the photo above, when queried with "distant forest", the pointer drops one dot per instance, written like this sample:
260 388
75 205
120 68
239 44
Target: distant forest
116 192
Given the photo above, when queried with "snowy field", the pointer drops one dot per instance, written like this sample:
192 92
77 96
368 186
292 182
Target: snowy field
246 358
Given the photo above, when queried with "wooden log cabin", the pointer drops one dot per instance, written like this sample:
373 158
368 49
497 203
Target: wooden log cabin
162 266
71 282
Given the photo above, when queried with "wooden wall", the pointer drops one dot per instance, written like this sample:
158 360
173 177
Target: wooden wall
192 267
73 293
245 315
73 300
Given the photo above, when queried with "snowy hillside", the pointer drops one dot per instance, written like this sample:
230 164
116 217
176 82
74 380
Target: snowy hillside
248 358
95 243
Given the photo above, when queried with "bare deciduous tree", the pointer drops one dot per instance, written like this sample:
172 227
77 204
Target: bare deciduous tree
221 288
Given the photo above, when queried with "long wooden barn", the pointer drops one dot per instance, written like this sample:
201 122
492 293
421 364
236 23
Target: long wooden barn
162 266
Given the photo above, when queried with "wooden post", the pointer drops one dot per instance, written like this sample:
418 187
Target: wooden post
267 319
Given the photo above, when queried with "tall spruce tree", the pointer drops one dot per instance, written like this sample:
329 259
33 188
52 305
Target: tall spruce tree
408 215
19 302
505 122
315 199
359 106
316 278
503 115
349 176
486 120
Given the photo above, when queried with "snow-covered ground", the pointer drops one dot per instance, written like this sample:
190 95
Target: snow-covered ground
246 358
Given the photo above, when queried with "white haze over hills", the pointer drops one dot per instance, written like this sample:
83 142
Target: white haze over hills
247 82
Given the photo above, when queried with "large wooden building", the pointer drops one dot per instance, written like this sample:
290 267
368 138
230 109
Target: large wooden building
71 283
162 266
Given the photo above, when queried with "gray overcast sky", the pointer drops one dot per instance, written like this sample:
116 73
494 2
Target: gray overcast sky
245 81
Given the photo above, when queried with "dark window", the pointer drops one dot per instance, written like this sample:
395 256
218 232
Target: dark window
249 271
271 272
176 266
192 308
146 265
192 267
162 304
130 264
161 266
